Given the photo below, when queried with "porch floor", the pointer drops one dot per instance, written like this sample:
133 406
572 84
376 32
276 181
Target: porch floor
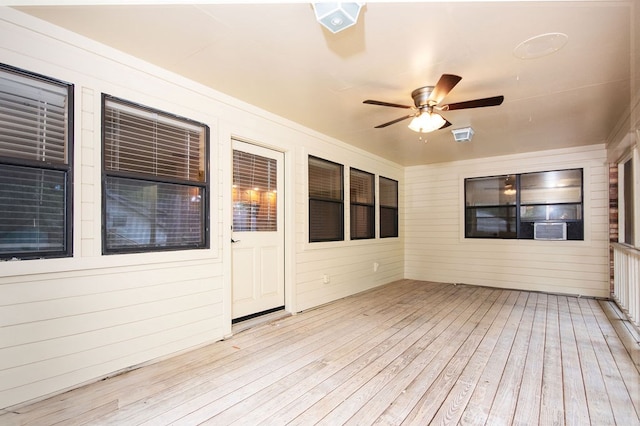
409 352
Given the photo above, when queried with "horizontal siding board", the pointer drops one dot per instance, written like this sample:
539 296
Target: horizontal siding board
78 305
103 337
27 333
31 288
435 249
71 378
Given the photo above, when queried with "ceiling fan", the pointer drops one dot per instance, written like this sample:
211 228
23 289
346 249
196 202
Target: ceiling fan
426 100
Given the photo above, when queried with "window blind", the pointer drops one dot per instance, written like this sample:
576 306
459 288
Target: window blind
33 119
325 179
145 215
155 185
147 142
254 192
35 171
326 206
362 194
388 192
32 208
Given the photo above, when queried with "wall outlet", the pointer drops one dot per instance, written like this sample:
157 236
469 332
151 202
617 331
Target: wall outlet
325 279
376 265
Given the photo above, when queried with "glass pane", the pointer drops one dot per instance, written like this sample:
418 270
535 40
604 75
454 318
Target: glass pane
496 222
362 187
325 179
33 119
362 222
388 192
139 141
254 192
628 203
143 215
325 221
562 186
32 210
388 222
551 212
491 191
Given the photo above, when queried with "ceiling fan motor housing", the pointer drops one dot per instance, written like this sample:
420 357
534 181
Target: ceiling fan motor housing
421 96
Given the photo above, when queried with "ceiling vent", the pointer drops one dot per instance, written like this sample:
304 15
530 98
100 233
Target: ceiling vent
463 135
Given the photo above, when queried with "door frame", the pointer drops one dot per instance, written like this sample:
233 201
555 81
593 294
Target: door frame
288 220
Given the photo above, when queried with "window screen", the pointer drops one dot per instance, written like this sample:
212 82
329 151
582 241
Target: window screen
36 115
326 200
155 184
362 193
388 207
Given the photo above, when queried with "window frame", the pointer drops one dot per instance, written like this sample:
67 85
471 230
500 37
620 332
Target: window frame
66 167
337 202
575 227
203 187
369 208
628 233
395 208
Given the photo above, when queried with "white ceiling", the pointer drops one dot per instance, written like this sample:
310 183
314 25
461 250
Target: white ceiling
277 57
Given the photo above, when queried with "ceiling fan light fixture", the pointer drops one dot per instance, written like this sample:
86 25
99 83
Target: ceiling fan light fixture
427 122
336 16
462 135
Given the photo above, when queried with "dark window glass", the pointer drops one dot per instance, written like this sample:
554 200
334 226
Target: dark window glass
542 205
362 193
388 190
155 185
628 202
36 115
326 200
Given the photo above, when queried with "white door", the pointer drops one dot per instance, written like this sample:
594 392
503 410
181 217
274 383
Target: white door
257 233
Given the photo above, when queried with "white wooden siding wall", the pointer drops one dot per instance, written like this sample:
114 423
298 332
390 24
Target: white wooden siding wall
349 265
436 249
68 321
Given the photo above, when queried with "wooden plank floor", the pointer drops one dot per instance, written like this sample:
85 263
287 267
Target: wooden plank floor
407 353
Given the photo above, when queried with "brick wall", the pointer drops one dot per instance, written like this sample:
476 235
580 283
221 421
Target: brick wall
613 216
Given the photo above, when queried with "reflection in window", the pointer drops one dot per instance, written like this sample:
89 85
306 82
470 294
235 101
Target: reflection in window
362 204
326 200
254 192
36 146
388 207
514 206
155 184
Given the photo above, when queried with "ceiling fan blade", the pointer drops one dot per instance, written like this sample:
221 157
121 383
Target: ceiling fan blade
476 103
394 121
443 87
371 102
445 125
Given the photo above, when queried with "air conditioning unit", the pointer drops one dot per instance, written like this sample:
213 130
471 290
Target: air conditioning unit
550 231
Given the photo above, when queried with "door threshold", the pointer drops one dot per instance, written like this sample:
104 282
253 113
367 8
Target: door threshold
250 321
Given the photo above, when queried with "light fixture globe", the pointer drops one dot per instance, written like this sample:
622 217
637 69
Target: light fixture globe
426 121
337 16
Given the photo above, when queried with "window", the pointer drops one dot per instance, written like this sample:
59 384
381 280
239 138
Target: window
254 193
326 200
388 207
155 182
541 205
362 192
36 146
626 197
